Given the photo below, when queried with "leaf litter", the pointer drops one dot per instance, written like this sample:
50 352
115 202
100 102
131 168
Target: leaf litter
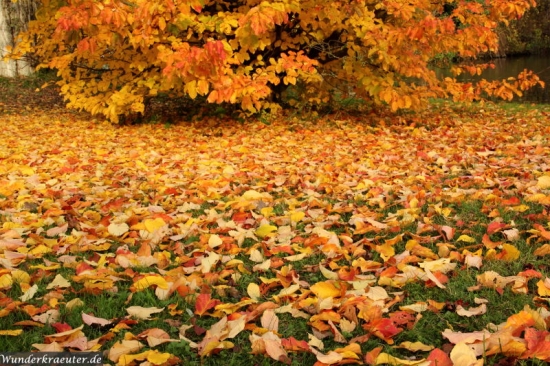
326 222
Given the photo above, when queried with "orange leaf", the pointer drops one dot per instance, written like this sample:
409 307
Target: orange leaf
204 303
370 357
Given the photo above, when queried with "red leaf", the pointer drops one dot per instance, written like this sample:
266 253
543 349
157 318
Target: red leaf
205 303
495 226
538 345
530 273
402 318
439 358
240 217
514 201
383 328
61 327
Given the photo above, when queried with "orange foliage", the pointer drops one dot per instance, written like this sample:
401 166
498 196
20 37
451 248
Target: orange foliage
112 56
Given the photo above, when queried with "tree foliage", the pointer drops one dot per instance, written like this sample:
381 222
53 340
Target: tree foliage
113 55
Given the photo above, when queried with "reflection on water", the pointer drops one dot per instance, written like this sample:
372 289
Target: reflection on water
512 66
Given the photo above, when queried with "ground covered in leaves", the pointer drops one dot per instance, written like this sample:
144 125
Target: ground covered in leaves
416 240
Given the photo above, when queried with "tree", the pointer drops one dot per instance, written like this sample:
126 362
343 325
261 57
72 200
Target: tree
14 17
113 55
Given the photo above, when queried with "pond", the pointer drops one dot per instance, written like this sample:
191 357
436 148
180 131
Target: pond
512 66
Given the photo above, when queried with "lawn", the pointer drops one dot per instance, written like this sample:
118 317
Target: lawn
375 239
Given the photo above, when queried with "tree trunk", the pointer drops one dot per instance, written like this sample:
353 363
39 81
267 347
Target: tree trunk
14 17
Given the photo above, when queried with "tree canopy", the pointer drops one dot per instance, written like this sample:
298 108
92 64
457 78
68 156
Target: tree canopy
113 55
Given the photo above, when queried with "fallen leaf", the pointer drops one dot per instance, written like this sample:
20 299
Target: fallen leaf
148 281
123 347
543 182
118 229
439 358
466 238
387 359
90 320
58 281
49 317
29 294
152 225
265 230
143 313
462 354
253 291
12 332
270 321
415 346
204 303
482 309
325 289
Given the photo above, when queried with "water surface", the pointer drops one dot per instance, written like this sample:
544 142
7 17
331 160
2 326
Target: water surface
512 66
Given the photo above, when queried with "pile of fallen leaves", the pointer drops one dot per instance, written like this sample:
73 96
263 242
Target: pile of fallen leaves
232 227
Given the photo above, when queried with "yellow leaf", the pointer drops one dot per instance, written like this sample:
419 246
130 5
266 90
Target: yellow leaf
162 23
543 182
20 276
387 359
510 252
153 225
466 238
39 251
147 281
74 303
325 290
267 212
14 332
140 164
27 170
191 89
520 208
386 251
252 195
265 230
544 287
415 346
297 216
157 358
202 85
253 291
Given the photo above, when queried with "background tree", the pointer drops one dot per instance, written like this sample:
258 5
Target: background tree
112 55
14 18
529 34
